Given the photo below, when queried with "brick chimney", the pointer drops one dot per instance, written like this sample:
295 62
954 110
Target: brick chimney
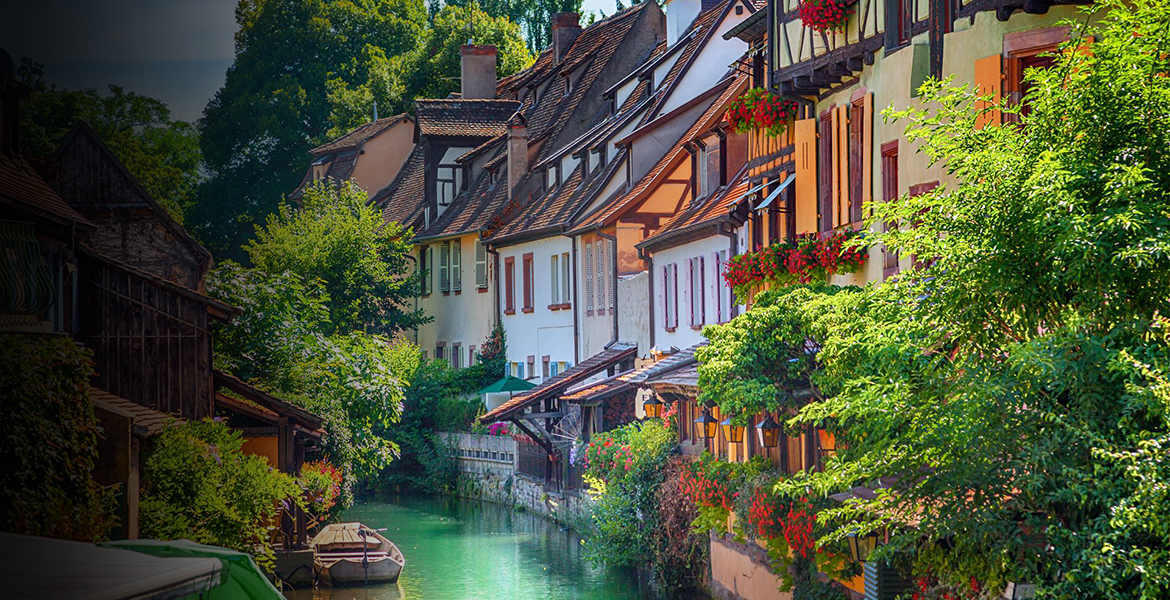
565 29
517 151
477 72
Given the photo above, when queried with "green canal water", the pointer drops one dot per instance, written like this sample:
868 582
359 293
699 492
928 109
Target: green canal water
460 549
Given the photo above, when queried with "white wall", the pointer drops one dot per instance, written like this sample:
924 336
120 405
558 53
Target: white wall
443 191
711 64
543 332
679 15
465 317
634 310
685 335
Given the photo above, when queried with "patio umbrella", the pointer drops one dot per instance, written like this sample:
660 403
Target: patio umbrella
508 384
243 581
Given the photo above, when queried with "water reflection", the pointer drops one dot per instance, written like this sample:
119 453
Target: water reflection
459 549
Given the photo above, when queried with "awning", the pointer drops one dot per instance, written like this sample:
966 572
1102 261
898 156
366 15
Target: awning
554 386
775 193
750 192
39 567
243 580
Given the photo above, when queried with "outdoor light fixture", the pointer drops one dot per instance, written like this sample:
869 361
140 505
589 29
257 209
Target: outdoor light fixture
708 426
733 433
714 408
769 432
652 406
861 545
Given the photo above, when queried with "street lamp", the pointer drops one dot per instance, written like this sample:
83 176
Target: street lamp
861 545
708 426
733 433
652 406
714 408
769 432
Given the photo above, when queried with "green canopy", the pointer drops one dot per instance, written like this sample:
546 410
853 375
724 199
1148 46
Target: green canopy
508 384
245 580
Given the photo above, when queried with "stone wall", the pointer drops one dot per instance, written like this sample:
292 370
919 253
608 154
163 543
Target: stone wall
487 471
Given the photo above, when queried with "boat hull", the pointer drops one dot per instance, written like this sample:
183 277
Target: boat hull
349 571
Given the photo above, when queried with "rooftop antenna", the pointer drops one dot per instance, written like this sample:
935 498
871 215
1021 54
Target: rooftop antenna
375 110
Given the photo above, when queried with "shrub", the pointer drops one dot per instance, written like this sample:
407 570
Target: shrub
199 484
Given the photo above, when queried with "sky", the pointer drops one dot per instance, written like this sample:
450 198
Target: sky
175 50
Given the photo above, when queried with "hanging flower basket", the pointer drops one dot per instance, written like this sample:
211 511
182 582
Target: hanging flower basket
808 258
825 15
758 108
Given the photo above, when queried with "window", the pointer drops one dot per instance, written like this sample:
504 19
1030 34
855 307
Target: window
566 298
531 366
889 193
480 264
722 291
666 297
602 270
697 274
1023 50
510 285
554 273
440 351
898 19
456 265
456 356
704 178
424 266
545 361
670 296
471 356
444 263
589 278
528 282
674 294
517 370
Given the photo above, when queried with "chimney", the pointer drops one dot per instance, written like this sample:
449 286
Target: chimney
565 29
478 72
517 151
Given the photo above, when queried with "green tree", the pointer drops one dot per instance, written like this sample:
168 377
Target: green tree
1012 391
432 70
161 153
342 241
533 16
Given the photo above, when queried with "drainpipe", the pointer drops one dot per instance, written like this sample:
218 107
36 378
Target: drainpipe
576 309
649 260
414 259
730 233
613 283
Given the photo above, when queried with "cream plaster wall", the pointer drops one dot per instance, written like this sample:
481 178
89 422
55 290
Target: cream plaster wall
383 156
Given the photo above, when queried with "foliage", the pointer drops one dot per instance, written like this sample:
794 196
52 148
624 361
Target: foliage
198 484
1009 396
760 109
680 553
714 486
320 485
493 354
51 441
807 258
533 16
161 153
352 380
361 261
625 514
825 15
429 70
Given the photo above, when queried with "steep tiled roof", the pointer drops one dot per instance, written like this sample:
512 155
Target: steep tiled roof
152 421
554 386
715 208
22 187
471 211
464 118
354 138
608 211
403 199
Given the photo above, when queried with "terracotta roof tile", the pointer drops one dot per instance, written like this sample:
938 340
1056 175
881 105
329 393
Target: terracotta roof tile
464 118
356 137
403 200
471 211
554 386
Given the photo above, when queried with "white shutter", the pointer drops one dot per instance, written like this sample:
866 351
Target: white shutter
612 278
702 290
565 270
554 281
444 261
480 264
457 265
588 277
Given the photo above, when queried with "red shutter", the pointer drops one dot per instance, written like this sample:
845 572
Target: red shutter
510 284
825 171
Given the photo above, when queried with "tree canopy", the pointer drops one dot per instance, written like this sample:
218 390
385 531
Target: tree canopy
1011 392
161 153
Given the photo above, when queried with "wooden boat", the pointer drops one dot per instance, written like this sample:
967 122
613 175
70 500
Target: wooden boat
352 554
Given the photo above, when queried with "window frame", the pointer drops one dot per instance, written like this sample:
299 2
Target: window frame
529 267
510 285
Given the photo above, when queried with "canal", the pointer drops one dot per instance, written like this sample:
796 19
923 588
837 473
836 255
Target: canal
459 549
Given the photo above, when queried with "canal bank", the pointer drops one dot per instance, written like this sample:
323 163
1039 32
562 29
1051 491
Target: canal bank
462 549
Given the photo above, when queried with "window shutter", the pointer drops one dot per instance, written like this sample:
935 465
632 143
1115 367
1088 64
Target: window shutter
841 168
510 284
589 277
666 296
691 290
528 281
480 264
825 171
674 293
702 290
601 275
566 296
612 277
718 288
554 285
444 261
989 82
806 175
866 152
456 265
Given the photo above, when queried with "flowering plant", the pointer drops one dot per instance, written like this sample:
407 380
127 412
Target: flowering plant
825 15
607 459
805 259
499 428
759 108
321 483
